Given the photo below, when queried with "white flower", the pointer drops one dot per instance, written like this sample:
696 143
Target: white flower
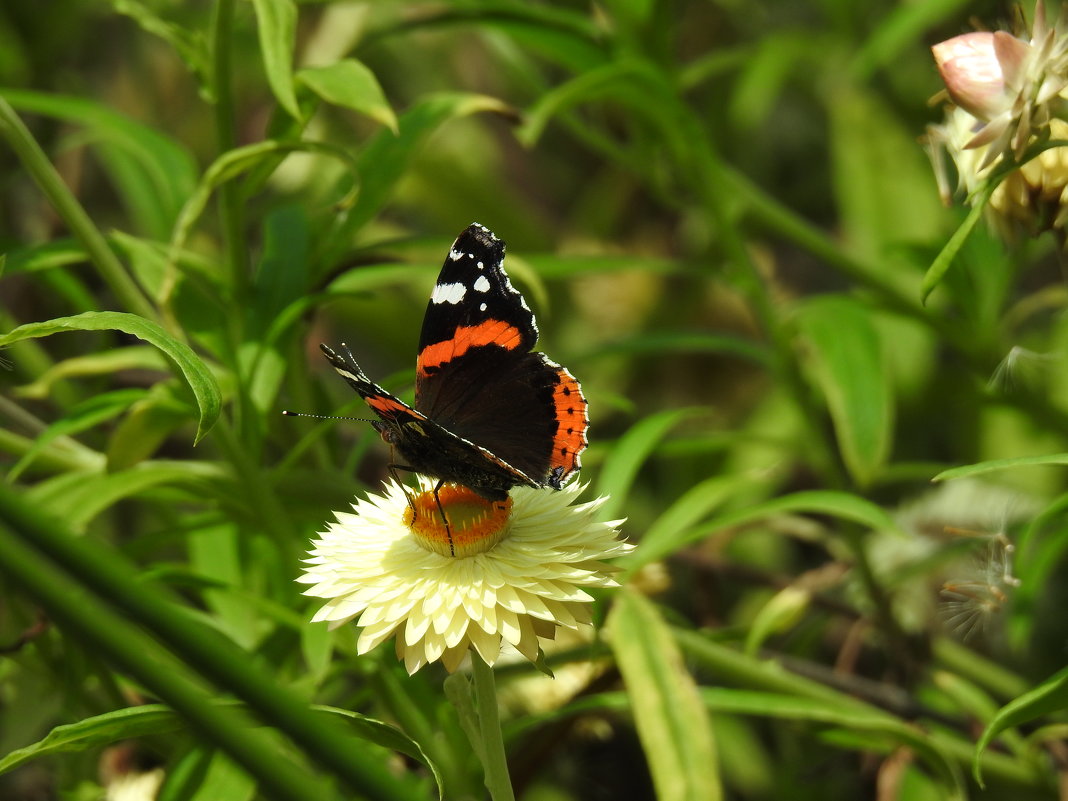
510 571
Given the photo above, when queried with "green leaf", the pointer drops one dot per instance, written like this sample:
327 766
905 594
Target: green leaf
277 28
630 82
46 256
317 648
155 719
387 156
79 497
825 502
672 723
349 83
85 415
786 707
1048 697
153 172
193 370
683 342
1001 464
111 727
764 73
563 267
107 362
189 44
621 466
850 366
232 164
186 774
631 14
224 779
879 208
568 37
147 424
899 31
387 736
281 275
782 612
663 537
215 553
787 695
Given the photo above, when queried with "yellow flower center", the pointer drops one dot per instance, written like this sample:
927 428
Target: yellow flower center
457 521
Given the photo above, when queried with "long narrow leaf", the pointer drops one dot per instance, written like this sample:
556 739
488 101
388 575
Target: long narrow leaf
232 164
851 369
277 28
192 368
1001 464
622 465
672 723
1048 697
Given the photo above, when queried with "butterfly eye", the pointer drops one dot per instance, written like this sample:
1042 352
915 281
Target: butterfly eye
385 431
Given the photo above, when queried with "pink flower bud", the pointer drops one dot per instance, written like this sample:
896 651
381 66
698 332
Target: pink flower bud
976 68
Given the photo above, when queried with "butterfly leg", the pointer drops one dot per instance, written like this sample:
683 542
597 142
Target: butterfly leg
444 519
393 468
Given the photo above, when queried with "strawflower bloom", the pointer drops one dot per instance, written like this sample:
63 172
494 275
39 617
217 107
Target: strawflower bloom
501 573
1009 93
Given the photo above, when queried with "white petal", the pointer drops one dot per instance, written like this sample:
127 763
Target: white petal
487 645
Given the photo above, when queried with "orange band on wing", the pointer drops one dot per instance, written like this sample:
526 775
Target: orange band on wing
384 405
572 422
490 332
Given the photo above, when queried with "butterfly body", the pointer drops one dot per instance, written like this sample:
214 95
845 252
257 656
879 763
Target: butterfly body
490 413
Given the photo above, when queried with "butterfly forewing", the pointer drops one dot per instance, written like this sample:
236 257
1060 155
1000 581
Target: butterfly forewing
473 307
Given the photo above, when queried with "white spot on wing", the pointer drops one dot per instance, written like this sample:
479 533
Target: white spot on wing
482 307
482 284
448 293
455 255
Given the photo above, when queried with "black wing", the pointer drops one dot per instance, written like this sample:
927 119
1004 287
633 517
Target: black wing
477 377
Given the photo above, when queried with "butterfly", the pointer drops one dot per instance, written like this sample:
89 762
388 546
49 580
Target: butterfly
490 413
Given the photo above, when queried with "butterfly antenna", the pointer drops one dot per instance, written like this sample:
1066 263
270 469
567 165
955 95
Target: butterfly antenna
287 413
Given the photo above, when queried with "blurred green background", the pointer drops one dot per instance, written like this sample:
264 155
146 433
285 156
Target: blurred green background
721 214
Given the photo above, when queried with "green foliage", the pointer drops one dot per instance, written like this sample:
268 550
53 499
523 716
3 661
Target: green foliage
674 727
724 222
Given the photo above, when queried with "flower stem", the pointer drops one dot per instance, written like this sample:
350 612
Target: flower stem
494 761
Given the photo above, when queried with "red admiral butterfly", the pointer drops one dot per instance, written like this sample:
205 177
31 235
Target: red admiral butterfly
489 413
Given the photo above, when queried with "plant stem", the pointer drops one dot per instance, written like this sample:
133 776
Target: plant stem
84 616
495 762
226 139
46 176
202 649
